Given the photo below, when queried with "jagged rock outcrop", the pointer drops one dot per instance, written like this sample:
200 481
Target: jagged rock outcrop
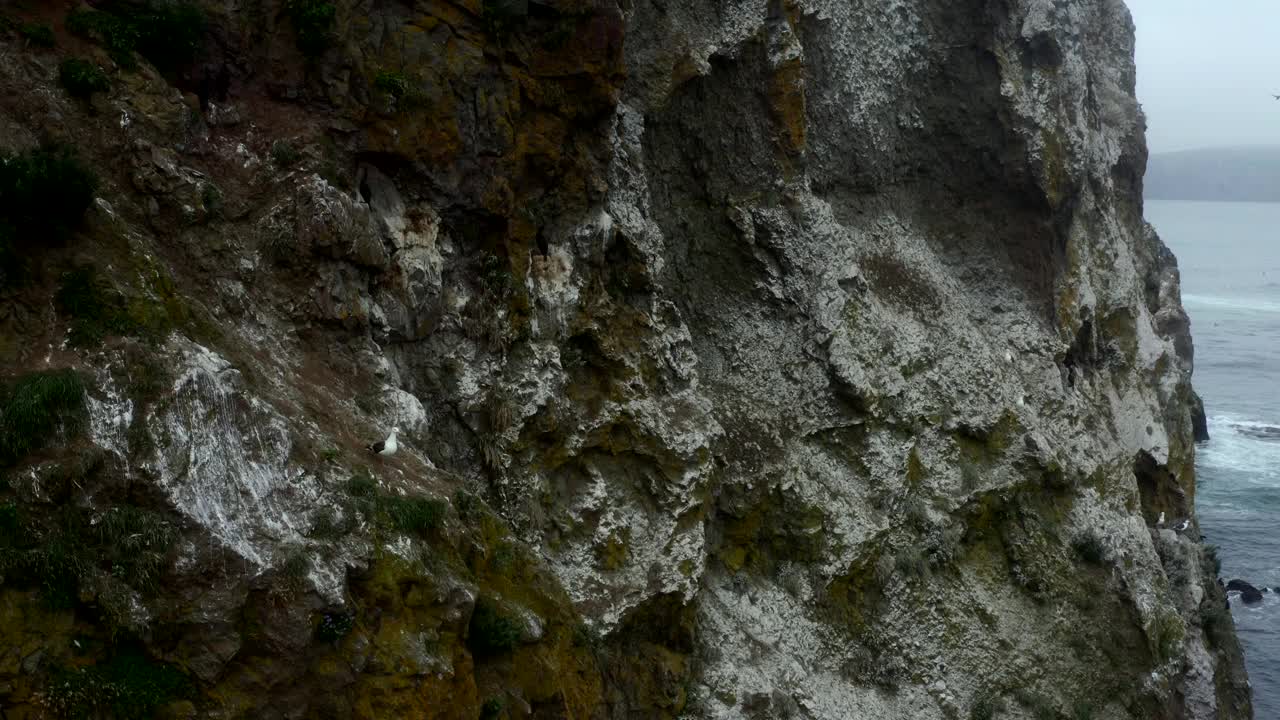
756 359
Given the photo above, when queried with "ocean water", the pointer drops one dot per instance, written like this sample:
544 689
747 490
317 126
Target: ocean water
1230 262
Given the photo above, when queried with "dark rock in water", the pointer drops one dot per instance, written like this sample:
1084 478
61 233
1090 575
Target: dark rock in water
1248 593
1260 432
1199 425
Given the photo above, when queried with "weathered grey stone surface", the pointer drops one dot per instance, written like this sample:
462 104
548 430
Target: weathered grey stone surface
765 358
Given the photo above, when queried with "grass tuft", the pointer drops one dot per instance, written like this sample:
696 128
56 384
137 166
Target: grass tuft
37 34
35 407
130 685
82 78
44 194
418 516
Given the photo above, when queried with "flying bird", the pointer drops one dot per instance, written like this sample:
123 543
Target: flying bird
385 447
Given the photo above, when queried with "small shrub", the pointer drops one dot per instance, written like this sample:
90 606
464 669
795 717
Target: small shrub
334 626
392 83
37 34
168 34
312 25
82 78
283 154
491 632
1215 618
330 454
362 486
1212 559
468 506
34 407
491 709
44 194
1082 710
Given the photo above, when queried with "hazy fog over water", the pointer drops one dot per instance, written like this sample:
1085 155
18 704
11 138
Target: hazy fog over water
1207 72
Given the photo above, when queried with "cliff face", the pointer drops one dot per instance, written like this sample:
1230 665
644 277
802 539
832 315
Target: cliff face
752 359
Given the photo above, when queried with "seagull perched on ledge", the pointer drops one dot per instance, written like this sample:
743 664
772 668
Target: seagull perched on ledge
1182 526
385 447
1159 523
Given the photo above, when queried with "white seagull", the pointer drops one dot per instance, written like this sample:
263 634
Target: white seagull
385 447
1159 523
1182 526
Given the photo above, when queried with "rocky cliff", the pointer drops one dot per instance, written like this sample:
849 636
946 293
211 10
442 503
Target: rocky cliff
752 358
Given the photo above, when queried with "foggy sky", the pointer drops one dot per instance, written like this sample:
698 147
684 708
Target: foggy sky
1207 70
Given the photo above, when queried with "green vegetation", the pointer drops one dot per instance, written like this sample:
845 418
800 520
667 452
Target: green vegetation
491 631
313 22
284 154
398 87
43 197
418 516
411 515
37 34
168 34
130 685
491 709
392 83
82 78
73 549
334 626
134 543
1166 634
34 407
96 310
1211 557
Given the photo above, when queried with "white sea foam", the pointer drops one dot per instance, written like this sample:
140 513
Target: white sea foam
1232 448
1231 303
